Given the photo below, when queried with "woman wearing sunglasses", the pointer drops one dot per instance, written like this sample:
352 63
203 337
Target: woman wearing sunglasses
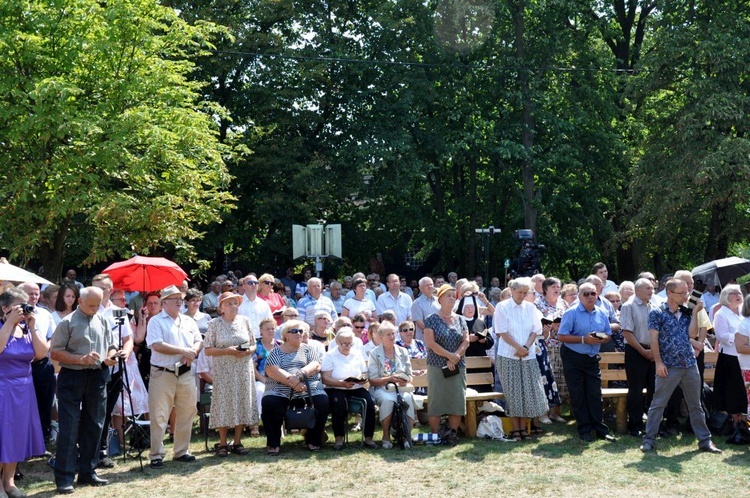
266 293
286 369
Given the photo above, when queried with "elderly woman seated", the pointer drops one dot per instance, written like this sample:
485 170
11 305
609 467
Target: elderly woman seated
344 372
286 369
389 364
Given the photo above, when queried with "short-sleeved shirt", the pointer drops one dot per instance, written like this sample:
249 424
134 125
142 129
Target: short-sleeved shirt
256 311
181 332
308 306
579 321
342 367
449 337
634 317
674 343
424 306
401 305
519 321
356 306
293 362
81 334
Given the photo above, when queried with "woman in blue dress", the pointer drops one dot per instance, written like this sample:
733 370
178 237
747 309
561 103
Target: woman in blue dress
20 344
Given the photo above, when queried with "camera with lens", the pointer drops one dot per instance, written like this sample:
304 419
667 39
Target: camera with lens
27 309
528 262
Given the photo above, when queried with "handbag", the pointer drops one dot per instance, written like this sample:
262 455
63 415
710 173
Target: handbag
301 417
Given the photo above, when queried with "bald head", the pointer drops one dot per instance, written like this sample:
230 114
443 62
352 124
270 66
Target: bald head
32 290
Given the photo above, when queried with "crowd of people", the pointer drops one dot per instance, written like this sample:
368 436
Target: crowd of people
258 343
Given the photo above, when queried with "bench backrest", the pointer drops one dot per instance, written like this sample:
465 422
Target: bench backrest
612 367
472 379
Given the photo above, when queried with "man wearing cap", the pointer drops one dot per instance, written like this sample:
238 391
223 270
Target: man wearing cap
253 307
210 303
175 341
83 345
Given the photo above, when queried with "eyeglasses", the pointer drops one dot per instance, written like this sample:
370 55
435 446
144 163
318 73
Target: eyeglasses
679 293
322 318
588 293
295 331
176 299
251 282
117 299
407 330
290 316
345 344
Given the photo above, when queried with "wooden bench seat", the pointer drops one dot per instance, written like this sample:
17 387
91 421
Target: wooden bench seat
609 364
473 400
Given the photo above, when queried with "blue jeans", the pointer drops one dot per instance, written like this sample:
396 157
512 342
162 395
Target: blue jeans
689 379
81 399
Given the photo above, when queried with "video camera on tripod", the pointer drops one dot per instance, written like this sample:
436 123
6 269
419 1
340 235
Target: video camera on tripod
528 262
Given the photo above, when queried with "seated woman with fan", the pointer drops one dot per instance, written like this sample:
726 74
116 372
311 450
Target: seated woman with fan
291 367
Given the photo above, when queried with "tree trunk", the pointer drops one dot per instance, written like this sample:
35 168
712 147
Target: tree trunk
51 253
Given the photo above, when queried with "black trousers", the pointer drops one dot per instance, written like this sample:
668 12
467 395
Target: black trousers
339 401
641 374
274 408
43 375
584 381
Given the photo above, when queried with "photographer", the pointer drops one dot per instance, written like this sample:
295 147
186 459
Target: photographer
20 343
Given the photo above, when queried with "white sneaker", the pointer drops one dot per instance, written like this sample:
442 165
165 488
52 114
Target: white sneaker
387 445
558 418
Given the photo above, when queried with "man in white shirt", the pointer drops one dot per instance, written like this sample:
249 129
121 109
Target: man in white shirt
253 307
394 300
175 342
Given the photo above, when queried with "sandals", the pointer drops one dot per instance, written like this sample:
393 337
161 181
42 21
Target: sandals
519 435
272 451
536 430
312 447
238 449
254 432
222 451
524 435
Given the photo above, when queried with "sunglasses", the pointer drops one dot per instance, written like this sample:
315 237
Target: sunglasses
268 283
589 293
359 328
407 330
295 331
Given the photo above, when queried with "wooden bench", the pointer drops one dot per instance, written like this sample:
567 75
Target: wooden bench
472 379
612 366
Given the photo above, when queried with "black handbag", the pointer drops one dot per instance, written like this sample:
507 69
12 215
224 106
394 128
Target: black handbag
304 416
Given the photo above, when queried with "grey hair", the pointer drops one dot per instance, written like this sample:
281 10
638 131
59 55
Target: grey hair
724 296
87 292
642 282
518 283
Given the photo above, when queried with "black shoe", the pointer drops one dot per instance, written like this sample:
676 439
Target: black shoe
636 433
92 480
606 437
710 447
187 457
587 437
65 489
105 463
156 463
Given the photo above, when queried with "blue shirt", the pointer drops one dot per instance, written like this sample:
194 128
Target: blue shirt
580 322
674 342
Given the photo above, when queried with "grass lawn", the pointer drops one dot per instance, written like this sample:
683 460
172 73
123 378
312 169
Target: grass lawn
556 464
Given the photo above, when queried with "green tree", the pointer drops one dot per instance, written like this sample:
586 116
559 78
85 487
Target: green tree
104 138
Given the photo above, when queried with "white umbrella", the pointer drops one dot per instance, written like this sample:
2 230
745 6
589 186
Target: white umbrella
9 272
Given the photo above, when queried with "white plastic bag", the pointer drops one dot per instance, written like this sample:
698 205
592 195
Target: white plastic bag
491 427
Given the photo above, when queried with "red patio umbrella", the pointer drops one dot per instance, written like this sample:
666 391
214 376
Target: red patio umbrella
141 273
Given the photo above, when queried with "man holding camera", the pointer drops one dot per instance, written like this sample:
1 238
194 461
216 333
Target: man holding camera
83 345
584 328
672 329
175 342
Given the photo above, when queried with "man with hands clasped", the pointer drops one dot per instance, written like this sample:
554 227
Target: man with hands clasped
175 341
584 328
84 346
671 326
